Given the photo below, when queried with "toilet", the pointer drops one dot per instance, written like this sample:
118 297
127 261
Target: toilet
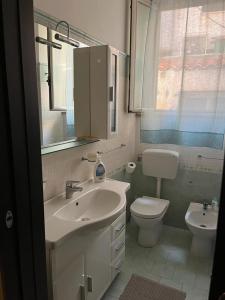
148 212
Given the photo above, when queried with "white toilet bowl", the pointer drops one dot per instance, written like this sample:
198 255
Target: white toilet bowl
148 212
203 224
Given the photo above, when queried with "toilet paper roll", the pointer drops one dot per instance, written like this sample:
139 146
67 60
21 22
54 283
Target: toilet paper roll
130 167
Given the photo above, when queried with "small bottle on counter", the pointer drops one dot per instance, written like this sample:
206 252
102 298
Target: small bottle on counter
99 170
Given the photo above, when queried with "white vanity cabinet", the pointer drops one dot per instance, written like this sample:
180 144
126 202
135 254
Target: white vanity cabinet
66 269
70 283
84 266
117 245
98 265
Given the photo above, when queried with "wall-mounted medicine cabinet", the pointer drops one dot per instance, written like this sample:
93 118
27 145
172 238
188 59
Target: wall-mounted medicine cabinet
77 92
96 85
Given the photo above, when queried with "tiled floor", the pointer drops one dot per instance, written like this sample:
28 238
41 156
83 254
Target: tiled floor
169 262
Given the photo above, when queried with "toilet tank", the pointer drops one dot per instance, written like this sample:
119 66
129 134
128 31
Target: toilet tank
160 163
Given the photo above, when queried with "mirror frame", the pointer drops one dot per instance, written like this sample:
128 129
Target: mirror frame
66 145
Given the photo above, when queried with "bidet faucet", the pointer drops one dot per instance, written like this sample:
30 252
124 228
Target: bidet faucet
71 187
205 205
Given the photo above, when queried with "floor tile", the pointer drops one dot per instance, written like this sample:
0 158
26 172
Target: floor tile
169 263
185 277
202 282
197 294
171 283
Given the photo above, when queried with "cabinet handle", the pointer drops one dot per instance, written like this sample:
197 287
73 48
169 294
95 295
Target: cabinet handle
89 284
120 246
122 226
111 93
82 292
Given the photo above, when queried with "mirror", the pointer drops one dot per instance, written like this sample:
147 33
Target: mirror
61 78
61 75
55 75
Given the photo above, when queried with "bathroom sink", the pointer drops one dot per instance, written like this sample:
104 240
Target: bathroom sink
94 205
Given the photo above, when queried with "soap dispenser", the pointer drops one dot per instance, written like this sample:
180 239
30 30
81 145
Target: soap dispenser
99 170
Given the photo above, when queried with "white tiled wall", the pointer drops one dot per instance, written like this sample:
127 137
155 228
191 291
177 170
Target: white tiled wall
211 160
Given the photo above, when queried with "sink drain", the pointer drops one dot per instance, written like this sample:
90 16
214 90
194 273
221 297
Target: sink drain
85 219
202 225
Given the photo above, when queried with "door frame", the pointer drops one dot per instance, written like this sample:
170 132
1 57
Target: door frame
22 253
217 286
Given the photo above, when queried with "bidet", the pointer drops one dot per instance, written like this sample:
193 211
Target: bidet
203 224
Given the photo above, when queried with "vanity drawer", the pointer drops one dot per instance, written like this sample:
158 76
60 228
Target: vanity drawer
117 265
118 226
118 245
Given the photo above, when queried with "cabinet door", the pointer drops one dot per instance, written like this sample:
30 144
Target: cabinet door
69 285
113 66
98 265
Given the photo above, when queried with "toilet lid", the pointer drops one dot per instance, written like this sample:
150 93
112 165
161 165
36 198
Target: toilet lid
149 207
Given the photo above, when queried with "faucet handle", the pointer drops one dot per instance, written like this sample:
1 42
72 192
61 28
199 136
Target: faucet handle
206 203
70 183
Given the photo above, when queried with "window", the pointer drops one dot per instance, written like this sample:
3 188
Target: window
188 48
178 73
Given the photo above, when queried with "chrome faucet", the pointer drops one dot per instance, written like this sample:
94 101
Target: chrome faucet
71 187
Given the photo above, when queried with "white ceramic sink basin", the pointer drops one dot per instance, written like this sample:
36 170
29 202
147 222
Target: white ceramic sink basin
94 205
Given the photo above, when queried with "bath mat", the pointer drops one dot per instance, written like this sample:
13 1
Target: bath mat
140 288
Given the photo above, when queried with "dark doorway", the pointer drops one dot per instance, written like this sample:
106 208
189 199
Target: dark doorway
22 247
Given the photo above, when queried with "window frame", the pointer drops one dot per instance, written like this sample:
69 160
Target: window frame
133 31
132 108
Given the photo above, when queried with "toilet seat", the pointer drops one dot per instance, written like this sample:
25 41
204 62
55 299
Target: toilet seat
149 207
